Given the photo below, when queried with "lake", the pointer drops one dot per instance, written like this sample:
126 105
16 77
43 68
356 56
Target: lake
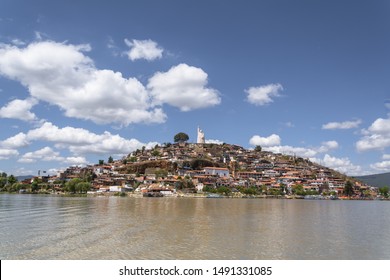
98 228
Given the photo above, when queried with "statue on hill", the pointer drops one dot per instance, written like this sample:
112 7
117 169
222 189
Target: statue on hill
200 139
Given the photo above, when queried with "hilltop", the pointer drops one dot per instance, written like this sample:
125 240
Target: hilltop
183 167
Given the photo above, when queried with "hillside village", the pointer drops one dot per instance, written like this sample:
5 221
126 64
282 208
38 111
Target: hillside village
200 169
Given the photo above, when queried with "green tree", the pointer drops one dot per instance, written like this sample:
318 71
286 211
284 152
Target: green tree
181 137
12 180
162 173
70 186
298 190
35 185
258 148
82 187
155 153
110 159
384 191
223 190
3 181
348 188
101 161
133 159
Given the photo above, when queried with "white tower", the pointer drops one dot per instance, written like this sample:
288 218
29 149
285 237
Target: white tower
200 139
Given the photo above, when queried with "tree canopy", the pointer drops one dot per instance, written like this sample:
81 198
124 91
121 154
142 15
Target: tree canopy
348 188
181 137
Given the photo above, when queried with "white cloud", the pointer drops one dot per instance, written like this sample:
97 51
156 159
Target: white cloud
387 103
48 154
62 75
386 156
19 109
14 142
45 154
376 137
184 87
343 165
383 166
327 146
8 153
263 95
18 42
342 125
272 143
214 141
289 150
81 141
143 49
272 140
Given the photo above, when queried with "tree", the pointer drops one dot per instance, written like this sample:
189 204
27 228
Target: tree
258 148
101 161
35 185
181 137
83 187
110 159
348 188
70 186
12 180
298 190
155 153
384 191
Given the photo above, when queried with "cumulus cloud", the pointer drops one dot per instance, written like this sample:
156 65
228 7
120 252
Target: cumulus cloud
81 141
45 154
387 103
214 141
184 87
48 154
143 49
376 137
272 143
62 75
342 125
272 140
327 146
289 150
15 142
263 95
343 165
383 166
19 109
8 153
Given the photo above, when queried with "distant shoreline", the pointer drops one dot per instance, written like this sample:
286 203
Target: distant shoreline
205 195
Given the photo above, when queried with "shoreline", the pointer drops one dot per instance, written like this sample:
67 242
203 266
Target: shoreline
203 195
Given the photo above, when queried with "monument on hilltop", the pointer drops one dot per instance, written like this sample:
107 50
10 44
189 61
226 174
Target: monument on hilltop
200 139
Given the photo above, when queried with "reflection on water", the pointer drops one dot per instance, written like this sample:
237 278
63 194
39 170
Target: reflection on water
50 227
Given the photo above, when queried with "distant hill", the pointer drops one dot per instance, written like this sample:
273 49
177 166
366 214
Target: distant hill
376 180
21 178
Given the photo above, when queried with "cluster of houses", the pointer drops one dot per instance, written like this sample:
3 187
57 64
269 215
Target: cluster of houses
173 169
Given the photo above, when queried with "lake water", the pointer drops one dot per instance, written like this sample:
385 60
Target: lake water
93 228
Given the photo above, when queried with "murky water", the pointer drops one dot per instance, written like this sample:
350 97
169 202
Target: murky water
93 228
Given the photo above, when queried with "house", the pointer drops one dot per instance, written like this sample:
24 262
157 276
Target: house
220 172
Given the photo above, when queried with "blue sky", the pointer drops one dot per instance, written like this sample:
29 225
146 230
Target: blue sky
84 80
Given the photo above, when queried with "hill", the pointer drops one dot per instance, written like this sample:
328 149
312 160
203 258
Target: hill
21 178
376 180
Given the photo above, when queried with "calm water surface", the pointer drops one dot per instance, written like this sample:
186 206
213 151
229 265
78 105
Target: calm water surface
51 227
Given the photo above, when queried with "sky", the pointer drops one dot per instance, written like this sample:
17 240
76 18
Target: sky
84 80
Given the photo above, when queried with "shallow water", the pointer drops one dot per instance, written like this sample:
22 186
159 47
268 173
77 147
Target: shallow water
53 227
